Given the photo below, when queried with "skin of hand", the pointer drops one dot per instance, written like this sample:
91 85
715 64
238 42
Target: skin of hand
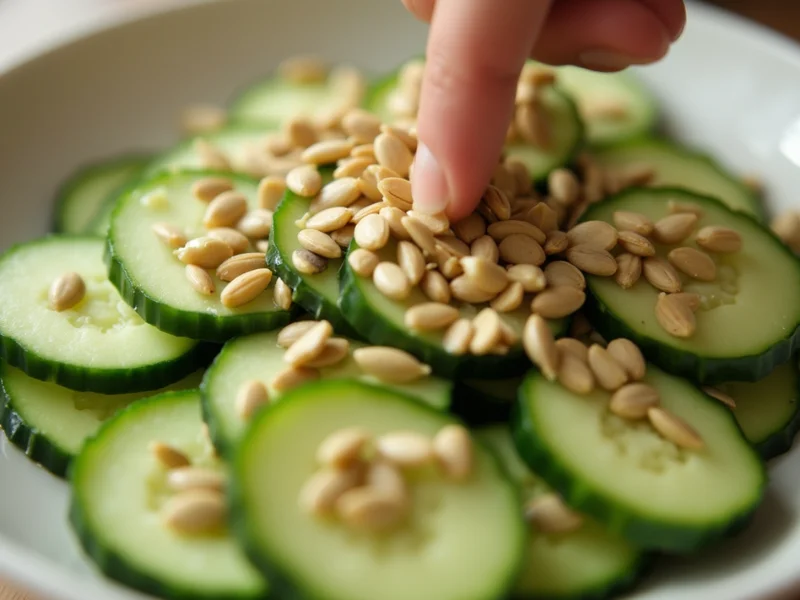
475 52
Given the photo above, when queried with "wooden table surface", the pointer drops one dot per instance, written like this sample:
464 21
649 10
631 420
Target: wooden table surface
782 15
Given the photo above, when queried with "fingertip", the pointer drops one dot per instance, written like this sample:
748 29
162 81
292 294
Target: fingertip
422 9
429 186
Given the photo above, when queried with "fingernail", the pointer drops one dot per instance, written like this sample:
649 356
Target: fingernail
606 60
428 185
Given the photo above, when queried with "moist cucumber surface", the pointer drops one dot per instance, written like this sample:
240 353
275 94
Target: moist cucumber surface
630 478
119 489
235 140
87 195
380 320
50 423
439 552
151 279
317 293
767 410
613 106
258 357
100 344
589 562
748 318
676 166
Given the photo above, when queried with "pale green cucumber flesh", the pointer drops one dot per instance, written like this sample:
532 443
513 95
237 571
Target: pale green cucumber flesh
629 477
153 280
439 551
743 329
119 488
274 100
676 166
235 141
767 410
380 320
50 423
593 90
258 357
587 563
100 344
89 194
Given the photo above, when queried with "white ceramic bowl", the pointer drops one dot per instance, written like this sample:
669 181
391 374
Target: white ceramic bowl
728 86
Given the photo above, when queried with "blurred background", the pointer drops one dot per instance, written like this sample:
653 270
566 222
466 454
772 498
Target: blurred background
781 15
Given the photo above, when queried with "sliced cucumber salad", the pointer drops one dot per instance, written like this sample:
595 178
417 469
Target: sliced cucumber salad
154 523
613 324
443 532
259 357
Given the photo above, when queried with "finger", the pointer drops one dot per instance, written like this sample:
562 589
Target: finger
606 35
672 14
422 9
474 55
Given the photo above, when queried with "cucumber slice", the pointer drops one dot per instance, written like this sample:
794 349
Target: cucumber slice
629 478
767 410
119 489
744 328
380 320
233 140
259 357
484 401
681 167
100 344
441 550
317 294
567 136
87 194
275 99
614 106
588 563
153 281
49 423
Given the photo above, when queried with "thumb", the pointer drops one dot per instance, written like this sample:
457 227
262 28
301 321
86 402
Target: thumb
476 50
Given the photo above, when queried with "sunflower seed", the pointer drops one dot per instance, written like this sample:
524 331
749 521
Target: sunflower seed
293 332
408 137
405 448
171 235
303 69
430 316
629 357
168 456
319 243
420 234
573 346
458 336
250 396
411 261
629 269
396 191
193 478
673 229
509 299
195 511
470 228
225 210
674 429
329 219
489 276
434 285
574 374
391 281
320 493
437 223
543 216
368 182
721 239
200 280
291 377
556 243
205 252
563 186
693 262
282 295
661 275
684 207
384 477
560 273
352 167
394 217
245 288
237 241
334 351
308 263
636 244
343 448
363 262
208 188
452 448
632 221
371 510
521 249
675 316
485 247
393 154
256 224
453 245
390 365
592 260
304 181
488 332
467 289
557 302
634 400
609 374
66 291
360 123
540 346
240 264
718 394
533 124
502 229
372 232
364 151
549 515
597 234
531 277
210 157
451 268
343 236
202 118
326 152
361 212
309 345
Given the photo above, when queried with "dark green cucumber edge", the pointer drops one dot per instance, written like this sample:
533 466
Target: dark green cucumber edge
185 323
781 440
223 447
90 170
281 584
617 517
35 446
93 379
374 327
759 210
684 362
111 563
477 407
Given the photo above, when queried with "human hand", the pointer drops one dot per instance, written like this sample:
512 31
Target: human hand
476 50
